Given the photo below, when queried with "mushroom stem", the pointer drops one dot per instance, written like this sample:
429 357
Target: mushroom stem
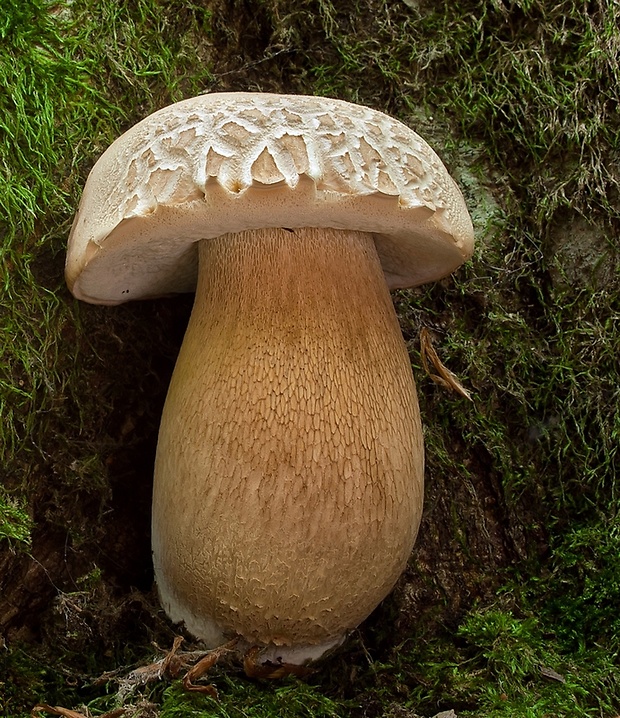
289 472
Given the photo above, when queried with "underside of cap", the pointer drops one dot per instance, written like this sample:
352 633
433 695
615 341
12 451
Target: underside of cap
229 162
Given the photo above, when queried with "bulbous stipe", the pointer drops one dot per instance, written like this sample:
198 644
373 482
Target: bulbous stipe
289 472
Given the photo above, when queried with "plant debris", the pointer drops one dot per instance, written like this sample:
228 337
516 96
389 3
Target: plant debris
444 377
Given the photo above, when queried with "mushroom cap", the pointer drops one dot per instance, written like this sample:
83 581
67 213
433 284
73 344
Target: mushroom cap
227 162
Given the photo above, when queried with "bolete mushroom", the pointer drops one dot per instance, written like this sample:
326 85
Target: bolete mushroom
289 470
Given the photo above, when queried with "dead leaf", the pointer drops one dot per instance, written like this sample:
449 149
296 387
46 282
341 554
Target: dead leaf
444 376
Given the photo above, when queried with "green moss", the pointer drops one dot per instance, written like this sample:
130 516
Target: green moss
519 668
24 678
75 72
583 585
524 79
15 521
242 698
519 99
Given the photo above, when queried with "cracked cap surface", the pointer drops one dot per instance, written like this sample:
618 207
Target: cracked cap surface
229 162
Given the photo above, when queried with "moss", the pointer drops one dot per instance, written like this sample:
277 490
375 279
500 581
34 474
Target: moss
291 699
15 522
18 685
519 98
584 585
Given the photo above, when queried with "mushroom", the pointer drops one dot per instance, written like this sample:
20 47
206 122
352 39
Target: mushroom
288 481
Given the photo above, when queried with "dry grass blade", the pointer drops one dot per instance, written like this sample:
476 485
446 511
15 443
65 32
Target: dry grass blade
444 377
553 675
57 711
169 665
66 713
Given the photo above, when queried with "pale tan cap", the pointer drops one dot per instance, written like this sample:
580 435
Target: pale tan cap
228 162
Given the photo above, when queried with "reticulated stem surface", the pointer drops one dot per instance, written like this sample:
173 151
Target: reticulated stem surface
289 471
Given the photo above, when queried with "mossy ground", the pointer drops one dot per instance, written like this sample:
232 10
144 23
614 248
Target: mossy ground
517 614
